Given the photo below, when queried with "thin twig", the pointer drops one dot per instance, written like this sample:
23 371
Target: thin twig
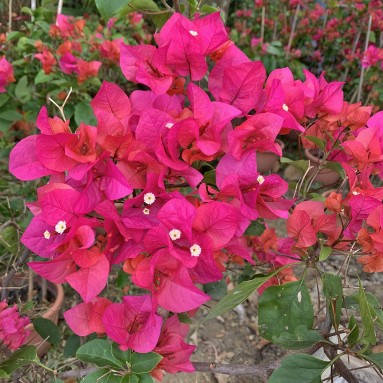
359 97
7 279
293 28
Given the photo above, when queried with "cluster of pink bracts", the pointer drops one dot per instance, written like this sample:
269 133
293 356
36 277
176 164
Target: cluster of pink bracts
132 191
13 332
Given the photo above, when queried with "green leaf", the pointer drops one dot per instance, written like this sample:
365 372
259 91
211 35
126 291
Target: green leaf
239 295
47 330
58 381
366 312
300 339
71 346
99 352
26 10
216 290
317 141
122 279
42 78
83 112
3 374
104 375
130 379
145 378
376 358
11 115
325 252
256 227
21 357
353 335
22 90
209 177
336 167
207 9
284 308
144 363
123 356
299 164
184 318
138 5
109 8
304 368
3 99
332 286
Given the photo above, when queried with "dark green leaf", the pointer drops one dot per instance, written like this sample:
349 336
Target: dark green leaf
47 330
83 112
283 309
317 141
325 252
103 375
21 357
145 378
353 335
23 91
144 363
367 314
3 99
122 279
130 379
109 8
300 339
256 227
71 346
99 352
332 286
209 177
239 295
216 290
123 356
304 368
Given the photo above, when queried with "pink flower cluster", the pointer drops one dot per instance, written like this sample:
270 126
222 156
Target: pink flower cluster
6 74
134 190
13 332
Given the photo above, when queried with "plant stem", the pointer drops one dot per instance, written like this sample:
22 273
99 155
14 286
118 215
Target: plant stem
359 97
293 28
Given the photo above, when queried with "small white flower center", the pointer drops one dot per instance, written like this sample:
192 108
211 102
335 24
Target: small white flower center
149 198
195 250
193 33
355 192
261 179
174 234
60 227
169 125
146 211
285 107
47 234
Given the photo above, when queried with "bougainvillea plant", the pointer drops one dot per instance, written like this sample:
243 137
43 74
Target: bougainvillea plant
166 187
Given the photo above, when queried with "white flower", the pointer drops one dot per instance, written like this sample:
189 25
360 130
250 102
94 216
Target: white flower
60 227
146 211
174 234
47 234
193 33
149 198
285 107
261 179
355 192
195 250
169 125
